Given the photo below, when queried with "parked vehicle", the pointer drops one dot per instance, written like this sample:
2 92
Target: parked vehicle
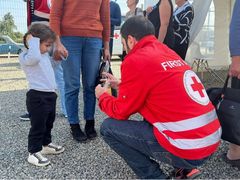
7 45
117 44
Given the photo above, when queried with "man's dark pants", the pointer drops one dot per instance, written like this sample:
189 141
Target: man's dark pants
135 142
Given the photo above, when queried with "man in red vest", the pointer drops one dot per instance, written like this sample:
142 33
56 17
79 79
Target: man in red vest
180 125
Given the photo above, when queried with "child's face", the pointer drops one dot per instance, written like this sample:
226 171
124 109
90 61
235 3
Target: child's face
46 46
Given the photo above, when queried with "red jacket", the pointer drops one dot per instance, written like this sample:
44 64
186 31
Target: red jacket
161 87
40 8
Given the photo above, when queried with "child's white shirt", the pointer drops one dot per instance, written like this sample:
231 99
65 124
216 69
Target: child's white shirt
37 67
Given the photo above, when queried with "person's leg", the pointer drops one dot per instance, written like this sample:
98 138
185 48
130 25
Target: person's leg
90 67
71 75
50 108
38 116
180 49
71 72
234 150
58 71
135 143
48 146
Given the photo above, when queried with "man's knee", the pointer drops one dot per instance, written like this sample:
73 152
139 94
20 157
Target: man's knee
106 126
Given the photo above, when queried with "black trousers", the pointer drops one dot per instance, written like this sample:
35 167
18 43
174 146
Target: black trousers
181 49
235 84
42 109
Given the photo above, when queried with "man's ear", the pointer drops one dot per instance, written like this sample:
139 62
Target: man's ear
131 41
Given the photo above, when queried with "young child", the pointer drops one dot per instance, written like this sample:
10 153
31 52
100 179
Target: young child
41 97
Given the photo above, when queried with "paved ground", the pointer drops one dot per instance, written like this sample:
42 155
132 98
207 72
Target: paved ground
93 160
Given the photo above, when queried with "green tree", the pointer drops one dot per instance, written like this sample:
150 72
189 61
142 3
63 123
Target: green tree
8 27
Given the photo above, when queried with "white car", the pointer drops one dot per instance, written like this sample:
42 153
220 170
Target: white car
117 44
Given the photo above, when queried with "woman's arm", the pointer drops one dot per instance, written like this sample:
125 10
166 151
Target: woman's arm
56 13
116 19
165 14
234 41
105 19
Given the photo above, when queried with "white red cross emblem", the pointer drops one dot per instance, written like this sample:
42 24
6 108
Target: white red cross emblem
116 36
195 88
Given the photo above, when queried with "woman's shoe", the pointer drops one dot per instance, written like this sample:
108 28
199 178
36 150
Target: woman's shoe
77 133
90 130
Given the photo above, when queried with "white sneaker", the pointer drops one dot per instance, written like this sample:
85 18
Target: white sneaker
52 149
38 159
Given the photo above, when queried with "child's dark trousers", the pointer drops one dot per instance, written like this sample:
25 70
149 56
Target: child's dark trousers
42 109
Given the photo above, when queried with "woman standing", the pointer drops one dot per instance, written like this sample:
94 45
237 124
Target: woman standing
161 17
182 21
133 9
82 26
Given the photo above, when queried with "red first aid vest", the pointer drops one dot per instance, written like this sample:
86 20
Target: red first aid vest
156 83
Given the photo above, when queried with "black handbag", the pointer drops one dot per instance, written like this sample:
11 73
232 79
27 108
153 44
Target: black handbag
227 104
105 67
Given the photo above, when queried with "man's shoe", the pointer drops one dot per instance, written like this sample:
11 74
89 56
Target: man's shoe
52 149
38 159
90 130
77 133
25 117
184 174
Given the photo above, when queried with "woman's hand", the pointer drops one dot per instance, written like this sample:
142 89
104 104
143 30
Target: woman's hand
106 55
149 9
106 52
60 51
234 70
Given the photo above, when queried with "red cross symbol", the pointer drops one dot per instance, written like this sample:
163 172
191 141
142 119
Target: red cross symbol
196 86
116 36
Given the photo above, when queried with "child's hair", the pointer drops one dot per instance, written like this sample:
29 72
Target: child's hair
42 31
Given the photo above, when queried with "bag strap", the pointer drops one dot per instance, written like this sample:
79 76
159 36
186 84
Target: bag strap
225 85
135 12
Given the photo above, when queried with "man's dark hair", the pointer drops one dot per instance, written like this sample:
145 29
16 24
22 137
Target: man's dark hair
138 27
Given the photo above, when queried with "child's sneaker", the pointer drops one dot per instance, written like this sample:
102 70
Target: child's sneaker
52 149
38 159
185 174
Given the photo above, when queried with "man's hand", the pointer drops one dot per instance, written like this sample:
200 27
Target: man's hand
111 80
99 90
60 51
234 70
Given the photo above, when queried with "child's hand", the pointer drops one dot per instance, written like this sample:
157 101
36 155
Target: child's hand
29 36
